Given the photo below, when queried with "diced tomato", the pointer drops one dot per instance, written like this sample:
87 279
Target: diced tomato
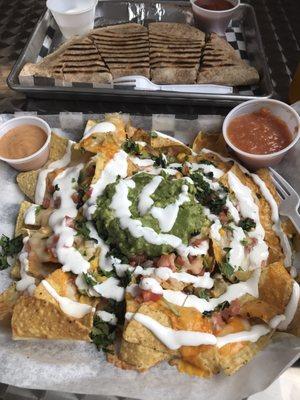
75 197
137 260
180 261
46 202
89 192
57 202
90 171
146 295
217 321
167 260
185 170
69 221
252 242
51 247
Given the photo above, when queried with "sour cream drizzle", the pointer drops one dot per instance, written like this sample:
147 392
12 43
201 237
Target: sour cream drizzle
233 292
249 209
110 289
30 214
68 306
167 216
174 339
120 204
102 127
107 317
26 282
145 201
117 166
67 255
41 182
285 244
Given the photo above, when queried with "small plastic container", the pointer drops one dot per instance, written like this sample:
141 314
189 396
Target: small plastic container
281 110
35 160
214 21
74 17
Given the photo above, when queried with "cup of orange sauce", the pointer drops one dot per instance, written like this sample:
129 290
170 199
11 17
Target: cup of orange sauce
261 132
25 142
214 15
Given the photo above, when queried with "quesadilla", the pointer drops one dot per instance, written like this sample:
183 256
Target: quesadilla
220 64
78 60
175 51
124 48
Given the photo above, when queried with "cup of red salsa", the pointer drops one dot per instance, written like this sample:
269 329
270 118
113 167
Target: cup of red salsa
214 15
261 132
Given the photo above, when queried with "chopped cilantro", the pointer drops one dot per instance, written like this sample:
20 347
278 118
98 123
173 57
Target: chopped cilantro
160 161
131 147
89 279
126 279
247 224
56 188
83 230
206 196
10 247
244 242
108 274
103 334
201 293
222 306
153 134
38 209
226 269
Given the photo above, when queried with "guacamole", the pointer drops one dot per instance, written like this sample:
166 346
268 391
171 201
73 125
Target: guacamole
189 222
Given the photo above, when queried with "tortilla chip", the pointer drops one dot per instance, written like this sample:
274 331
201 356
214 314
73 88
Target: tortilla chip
8 300
27 180
136 333
15 271
233 356
275 286
141 357
169 146
20 225
210 141
251 307
37 318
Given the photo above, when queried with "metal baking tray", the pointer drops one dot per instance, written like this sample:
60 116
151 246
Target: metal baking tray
117 11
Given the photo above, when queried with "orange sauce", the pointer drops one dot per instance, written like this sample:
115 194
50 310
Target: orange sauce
259 133
22 141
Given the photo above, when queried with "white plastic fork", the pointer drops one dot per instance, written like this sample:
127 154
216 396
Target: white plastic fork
289 199
142 83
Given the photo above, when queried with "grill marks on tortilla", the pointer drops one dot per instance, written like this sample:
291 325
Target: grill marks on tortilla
175 51
78 60
221 64
124 48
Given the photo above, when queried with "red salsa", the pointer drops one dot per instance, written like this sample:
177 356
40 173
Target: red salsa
214 5
259 133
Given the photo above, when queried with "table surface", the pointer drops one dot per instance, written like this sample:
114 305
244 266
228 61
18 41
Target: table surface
278 21
279 26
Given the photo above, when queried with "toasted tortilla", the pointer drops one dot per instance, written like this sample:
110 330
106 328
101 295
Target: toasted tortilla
222 65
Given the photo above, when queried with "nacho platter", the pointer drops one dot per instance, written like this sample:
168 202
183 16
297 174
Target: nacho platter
139 348
243 36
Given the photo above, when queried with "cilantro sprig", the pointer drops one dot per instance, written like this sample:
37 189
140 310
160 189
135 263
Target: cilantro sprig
9 247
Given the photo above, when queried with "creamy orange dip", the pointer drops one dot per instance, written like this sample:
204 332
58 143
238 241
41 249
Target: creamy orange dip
22 141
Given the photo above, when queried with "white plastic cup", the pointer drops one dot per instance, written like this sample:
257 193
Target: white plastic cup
281 110
74 17
35 160
214 21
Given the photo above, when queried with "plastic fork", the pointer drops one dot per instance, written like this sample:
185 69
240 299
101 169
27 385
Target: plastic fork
142 83
289 199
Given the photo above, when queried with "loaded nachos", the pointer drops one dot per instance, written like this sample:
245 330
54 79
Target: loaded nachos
153 250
